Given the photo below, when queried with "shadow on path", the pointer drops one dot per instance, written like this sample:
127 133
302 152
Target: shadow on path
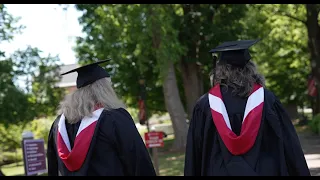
311 148
315 171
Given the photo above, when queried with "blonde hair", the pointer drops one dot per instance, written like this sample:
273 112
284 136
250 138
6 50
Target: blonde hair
82 101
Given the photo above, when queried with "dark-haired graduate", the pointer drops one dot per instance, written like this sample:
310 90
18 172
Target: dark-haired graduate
93 134
239 128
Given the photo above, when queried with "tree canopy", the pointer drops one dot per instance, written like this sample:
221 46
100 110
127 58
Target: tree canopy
38 75
168 46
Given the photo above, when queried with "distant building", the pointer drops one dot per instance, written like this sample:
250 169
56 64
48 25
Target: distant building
68 81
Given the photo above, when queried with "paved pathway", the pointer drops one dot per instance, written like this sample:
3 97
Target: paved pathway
311 149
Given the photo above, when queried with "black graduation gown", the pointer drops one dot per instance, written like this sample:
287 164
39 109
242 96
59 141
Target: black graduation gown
276 151
116 149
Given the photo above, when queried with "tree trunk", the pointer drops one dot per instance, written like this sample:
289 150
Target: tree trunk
312 101
192 83
175 109
313 29
191 74
292 110
315 105
170 89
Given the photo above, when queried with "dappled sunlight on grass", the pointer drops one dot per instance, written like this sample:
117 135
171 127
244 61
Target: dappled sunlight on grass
301 129
15 169
172 164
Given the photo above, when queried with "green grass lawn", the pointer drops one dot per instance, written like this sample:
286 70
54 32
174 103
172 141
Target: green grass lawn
15 169
170 163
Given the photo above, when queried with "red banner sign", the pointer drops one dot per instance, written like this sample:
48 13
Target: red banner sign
154 139
142 112
312 89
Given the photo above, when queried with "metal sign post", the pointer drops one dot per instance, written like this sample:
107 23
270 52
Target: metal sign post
154 140
25 135
143 114
156 160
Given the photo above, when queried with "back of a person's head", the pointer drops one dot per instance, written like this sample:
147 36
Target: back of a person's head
82 101
240 79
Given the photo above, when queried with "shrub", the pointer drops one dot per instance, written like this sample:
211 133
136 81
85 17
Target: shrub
314 124
11 157
41 128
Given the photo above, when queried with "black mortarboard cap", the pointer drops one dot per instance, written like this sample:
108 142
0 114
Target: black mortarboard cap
89 73
235 53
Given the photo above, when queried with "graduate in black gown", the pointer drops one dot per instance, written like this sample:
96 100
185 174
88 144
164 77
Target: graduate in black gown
239 128
94 135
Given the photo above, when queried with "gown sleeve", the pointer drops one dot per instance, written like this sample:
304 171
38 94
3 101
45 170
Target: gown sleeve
193 153
295 160
51 154
133 152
